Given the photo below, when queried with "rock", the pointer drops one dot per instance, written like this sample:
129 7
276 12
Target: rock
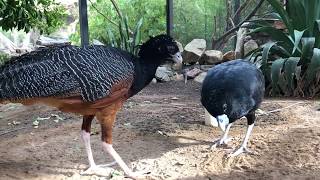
211 57
193 51
228 56
205 67
178 77
154 81
191 74
164 73
210 120
97 42
200 77
250 46
48 41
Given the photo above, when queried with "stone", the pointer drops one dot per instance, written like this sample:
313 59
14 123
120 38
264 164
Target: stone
200 77
193 51
210 120
191 74
228 56
250 46
211 57
48 41
164 73
205 67
96 42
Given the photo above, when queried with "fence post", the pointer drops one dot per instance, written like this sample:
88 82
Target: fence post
169 12
83 18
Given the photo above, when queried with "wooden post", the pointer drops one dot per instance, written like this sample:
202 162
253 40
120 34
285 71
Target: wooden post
169 12
236 19
83 18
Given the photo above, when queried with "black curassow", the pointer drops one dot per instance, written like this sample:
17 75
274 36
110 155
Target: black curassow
230 91
91 81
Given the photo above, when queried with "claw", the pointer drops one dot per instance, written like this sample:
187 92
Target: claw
239 151
220 142
98 169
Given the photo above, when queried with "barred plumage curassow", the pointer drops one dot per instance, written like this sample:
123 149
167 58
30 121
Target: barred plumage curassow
91 81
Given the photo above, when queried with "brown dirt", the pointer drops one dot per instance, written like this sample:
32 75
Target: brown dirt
162 130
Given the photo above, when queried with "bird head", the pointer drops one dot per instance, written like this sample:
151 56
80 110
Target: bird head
223 122
161 48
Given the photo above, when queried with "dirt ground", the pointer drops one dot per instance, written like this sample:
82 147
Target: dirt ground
161 130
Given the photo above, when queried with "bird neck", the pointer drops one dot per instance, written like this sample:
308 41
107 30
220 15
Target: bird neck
144 73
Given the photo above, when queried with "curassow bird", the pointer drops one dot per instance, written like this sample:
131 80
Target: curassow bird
230 91
93 81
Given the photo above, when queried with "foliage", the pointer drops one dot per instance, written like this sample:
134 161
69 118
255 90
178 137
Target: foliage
128 40
292 62
152 12
195 19
3 58
44 15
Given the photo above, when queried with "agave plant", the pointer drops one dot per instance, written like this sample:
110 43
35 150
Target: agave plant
292 61
127 40
124 38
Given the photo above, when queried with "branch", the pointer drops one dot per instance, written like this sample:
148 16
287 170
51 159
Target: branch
112 22
117 8
253 12
244 5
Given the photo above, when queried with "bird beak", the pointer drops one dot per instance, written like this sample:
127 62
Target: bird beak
177 58
223 122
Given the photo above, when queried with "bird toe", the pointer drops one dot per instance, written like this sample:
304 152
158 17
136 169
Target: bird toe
98 170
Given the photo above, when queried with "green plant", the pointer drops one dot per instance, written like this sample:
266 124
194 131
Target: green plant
127 40
292 62
45 15
4 58
104 17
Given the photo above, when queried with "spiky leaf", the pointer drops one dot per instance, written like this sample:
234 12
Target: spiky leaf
307 50
297 38
290 70
276 69
314 66
282 13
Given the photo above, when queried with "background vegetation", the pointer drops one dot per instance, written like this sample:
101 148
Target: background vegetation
43 15
291 62
192 18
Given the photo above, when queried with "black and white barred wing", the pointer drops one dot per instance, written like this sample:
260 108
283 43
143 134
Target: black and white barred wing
98 69
65 71
37 74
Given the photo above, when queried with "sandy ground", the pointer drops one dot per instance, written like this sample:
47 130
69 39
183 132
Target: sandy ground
162 130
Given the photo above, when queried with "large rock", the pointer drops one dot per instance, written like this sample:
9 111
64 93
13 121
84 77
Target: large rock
211 57
200 77
193 51
250 46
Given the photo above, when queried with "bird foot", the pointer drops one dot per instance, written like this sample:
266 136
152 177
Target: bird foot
239 151
103 169
220 142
